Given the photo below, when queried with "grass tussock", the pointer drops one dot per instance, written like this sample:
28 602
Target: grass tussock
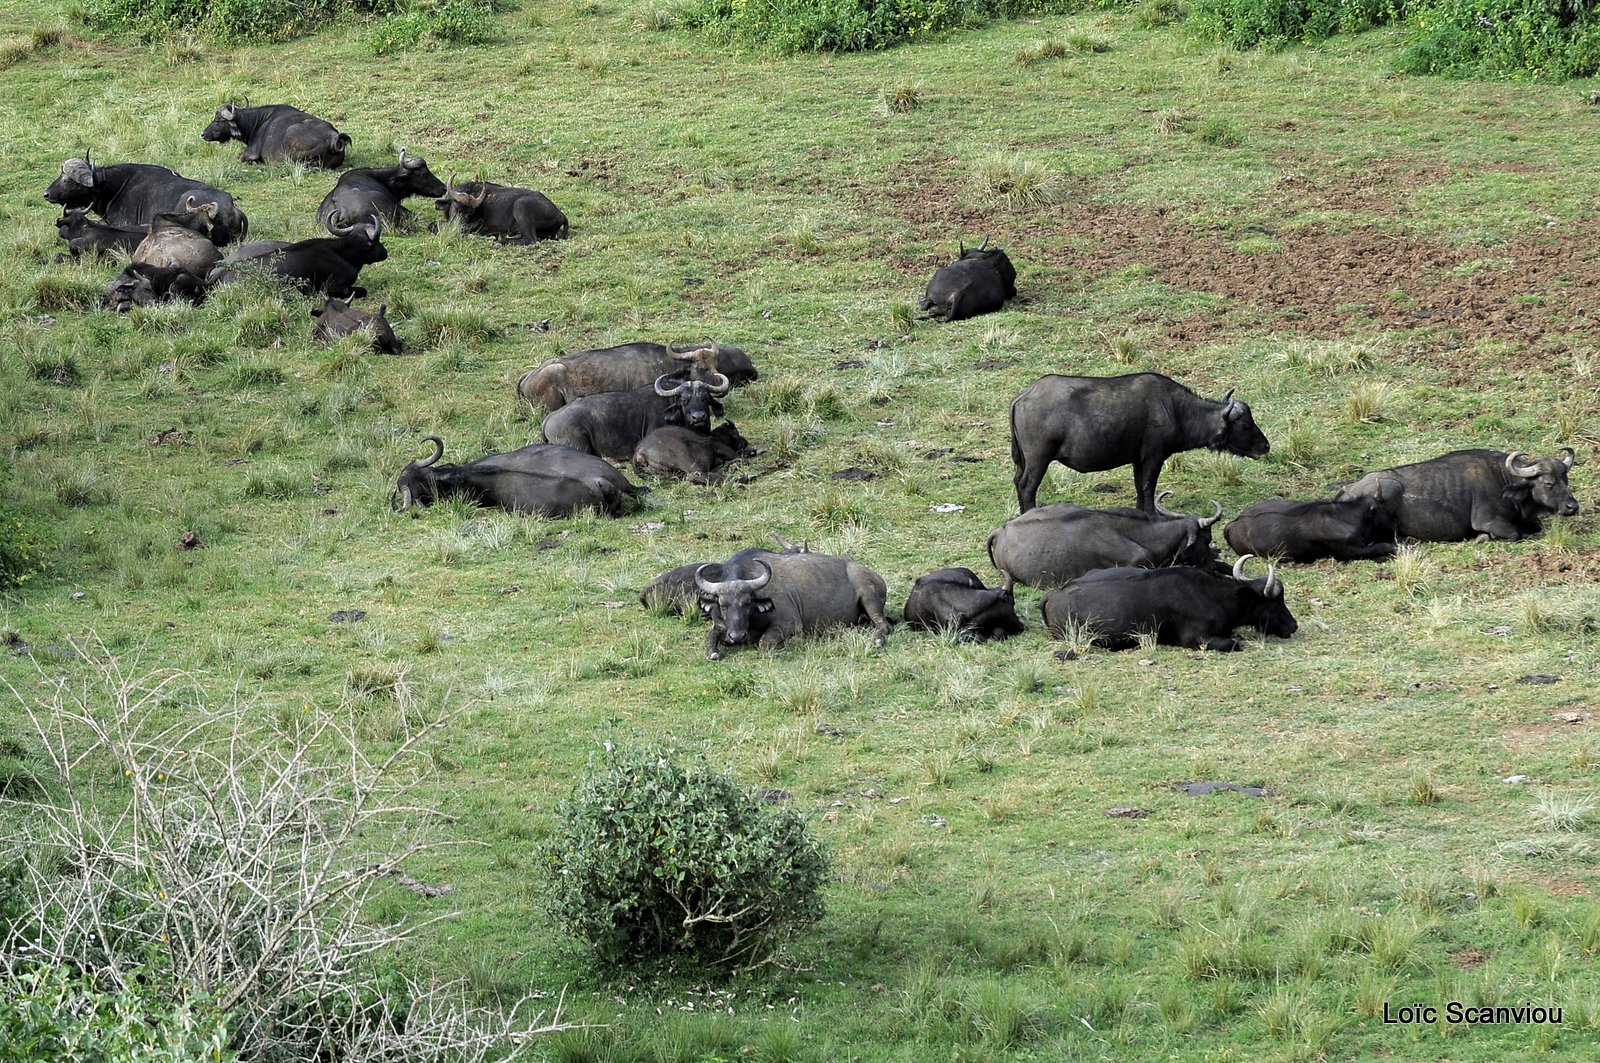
1016 181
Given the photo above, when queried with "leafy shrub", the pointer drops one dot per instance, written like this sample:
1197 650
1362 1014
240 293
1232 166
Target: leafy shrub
24 541
1542 39
51 1015
226 20
432 24
791 26
1273 23
653 861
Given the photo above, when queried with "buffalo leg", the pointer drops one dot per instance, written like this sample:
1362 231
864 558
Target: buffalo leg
1029 475
1145 475
714 644
1221 645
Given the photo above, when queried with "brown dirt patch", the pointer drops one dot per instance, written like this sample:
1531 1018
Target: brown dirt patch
1535 735
1323 282
1562 887
1467 959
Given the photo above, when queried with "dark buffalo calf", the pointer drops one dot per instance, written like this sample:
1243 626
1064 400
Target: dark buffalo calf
337 318
979 281
142 284
95 238
678 451
955 598
1356 529
1192 607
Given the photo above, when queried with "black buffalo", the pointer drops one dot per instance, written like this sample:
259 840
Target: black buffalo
337 318
1351 529
979 281
326 264
86 236
565 377
772 598
279 132
132 193
613 423
376 191
141 284
674 591
1093 423
679 451
547 480
1194 607
508 214
955 599
1049 545
1484 493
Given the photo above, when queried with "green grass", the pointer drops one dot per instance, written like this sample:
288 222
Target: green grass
986 906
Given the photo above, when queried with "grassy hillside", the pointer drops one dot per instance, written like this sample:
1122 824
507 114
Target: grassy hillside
1385 268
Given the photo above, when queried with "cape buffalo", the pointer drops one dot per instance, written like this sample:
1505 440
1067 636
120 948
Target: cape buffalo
674 591
771 599
1351 529
979 281
565 377
376 192
1092 424
141 284
279 132
613 423
329 265
337 318
1485 493
132 193
1049 545
548 480
85 236
180 239
1193 607
509 215
955 598
678 451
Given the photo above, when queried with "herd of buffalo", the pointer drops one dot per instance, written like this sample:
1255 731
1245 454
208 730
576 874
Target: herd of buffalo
1114 576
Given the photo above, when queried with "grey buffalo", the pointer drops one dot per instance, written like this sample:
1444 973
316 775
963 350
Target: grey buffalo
1194 607
613 423
547 480
1093 423
279 133
1350 529
675 450
336 318
955 599
1484 493
674 591
508 214
94 238
133 193
771 599
1049 545
979 281
377 191
566 377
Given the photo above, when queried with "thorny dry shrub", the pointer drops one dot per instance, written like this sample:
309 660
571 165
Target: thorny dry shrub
181 852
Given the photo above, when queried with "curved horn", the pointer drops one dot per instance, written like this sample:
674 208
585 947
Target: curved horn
337 225
225 112
476 201
761 580
983 246
961 248
403 161
718 384
450 185
400 500
1162 509
191 202
687 356
374 229
1568 456
1216 515
1273 587
1238 567
1527 472
663 392
707 586
438 451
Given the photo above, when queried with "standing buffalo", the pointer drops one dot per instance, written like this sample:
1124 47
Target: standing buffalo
565 377
96 237
1485 493
1348 529
613 423
1194 607
679 451
547 480
277 133
324 264
955 598
1093 423
979 281
337 318
376 192
772 598
132 193
1049 545
509 215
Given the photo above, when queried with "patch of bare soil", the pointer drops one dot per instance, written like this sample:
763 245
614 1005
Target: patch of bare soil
1324 281
1576 719
1467 959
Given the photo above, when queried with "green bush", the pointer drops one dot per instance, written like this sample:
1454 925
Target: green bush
1540 39
48 1015
1273 23
653 862
432 24
227 20
791 26
23 542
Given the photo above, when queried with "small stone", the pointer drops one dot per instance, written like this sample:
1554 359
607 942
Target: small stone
1128 813
1514 780
347 616
946 507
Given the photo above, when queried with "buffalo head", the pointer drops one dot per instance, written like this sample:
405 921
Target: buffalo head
418 482
1540 485
411 177
697 399
1270 613
223 128
733 602
728 360
75 186
1236 430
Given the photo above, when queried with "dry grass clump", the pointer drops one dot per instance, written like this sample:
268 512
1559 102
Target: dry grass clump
1016 181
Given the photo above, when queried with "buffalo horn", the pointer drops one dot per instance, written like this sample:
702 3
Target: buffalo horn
1206 522
1568 456
1230 406
407 163
1514 467
665 393
714 586
1238 567
1273 588
438 451
718 384
961 249
191 203
400 500
698 354
374 229
1165 512
338 226
983 246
